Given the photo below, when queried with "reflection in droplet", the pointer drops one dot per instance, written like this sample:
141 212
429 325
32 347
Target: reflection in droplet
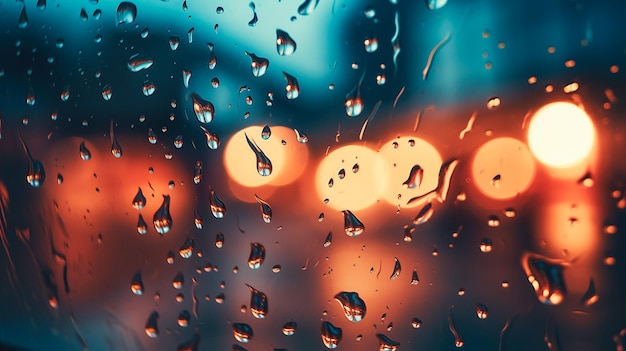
204 110
136 284
289 328
371 44
397 268
218 208
481 311
142 226
258 65
331 335
353 102
152 328
257 255
126 12
292 89
258 303
266 132
178 281
353 306
139 201
162 219
263 163
186 250
591 296
285 45
546 277
352 225
386 344
242 332
266 210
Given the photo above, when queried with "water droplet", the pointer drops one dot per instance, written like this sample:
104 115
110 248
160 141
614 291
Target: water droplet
301 137
65 94
353 102
186 78
186 250
285 45
219 240
126 12
292 89
424 214
257 255
183 318
116 148
415 177
386 344
546 277
139 201
341 174
190 35
353 306
591 296
458 339
152 137
397 268
22 21
144 33
136 285
414 278
242 332
263 163
30 97
289 328
493 221
142 226
486 245
106 92
266 210
493 103
36 173
162 219
586 180
331 335
212 140
139 61
351 224
84 152
371 44
212 58
59 178
258 65
258 303
178 281
197 172
204 110
509 212
174 42
329 239
416 323
218 208
148 88
152 328
41 5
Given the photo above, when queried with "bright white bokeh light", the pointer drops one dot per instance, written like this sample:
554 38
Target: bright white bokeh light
561 135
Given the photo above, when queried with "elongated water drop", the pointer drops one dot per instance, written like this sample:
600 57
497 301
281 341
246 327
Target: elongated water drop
152 137
218 208
30 97
329 239
292 89
386 344
22 21
140 61
174 42
186 78
126 12
258 65
481 311
219 240
258 303
266 132
546 277
415 178
285 45
266 210
397 268
84 152
242 332
255 17
307 7
353 101
116 148
142 226
139 201
424 214
152 327
352 225
197 172
212 58
458 339
257 255
136 284
591 296
331 335
65 93
162 219
186 249
353 305
36 174
263 163
414 278
212 140
289 328
204 110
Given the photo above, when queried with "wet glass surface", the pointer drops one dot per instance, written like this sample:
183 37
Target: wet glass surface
304 175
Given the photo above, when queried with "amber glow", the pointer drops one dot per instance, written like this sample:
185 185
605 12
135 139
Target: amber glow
561 135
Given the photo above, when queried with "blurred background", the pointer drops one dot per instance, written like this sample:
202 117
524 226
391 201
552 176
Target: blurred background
312 174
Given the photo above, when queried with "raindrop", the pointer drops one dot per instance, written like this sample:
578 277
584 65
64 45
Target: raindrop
152 328
586 180
204 110
424 214
258 303
242 332
276 268
353 102
136 284
178 141
416 323
22 21
218 208
301 137
331 182
139 62
152 137
212 140
197 172
162 219
41 5
142 226
341 174
292 89
353 306
36 173
116 148
59 178
397 268
258 65
266 210
509 212
289 328
546 277
170 257
414 278
178 281
307 7
126 12
481 311
174 42
591 296
30 97
371 44
386 344
219 240
84 152
486 245
458 339
263 163
144 33
106 92
148 88
183 318
352 225
257 255
186 78
331 335
139 201
493 221
493 103
369 12
65 94
414 180
285 45
186 250
329 239
255 18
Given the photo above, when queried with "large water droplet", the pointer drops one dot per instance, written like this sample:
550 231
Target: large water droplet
186 250
386 344
139 61
212 140
424 214
354 103
258 302
292 89
139 201
84 152
285 45
162 219
266 210
397 268
263 163
22 21
307 7
258 65
242 332
289 328
415 178
371 44
218 208
126 12
257 255
136 284
152 327
331 335
204 110
352 225
546 277
353 306
148 88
